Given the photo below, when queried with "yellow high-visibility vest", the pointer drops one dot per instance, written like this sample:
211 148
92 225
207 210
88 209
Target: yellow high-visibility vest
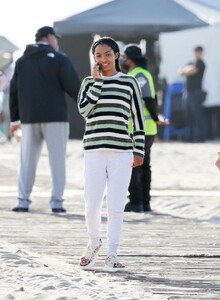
150 125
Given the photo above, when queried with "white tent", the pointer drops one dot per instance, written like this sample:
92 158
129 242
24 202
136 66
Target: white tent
206 10
177 50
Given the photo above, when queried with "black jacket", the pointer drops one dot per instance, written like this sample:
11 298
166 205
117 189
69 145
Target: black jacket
37 89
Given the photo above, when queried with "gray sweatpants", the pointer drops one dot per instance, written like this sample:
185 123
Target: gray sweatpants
55 135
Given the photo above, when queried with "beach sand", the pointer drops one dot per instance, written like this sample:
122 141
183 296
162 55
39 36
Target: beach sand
171 253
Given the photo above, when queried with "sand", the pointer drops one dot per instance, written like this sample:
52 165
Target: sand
186 184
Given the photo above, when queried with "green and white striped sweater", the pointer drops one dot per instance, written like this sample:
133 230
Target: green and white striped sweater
107 104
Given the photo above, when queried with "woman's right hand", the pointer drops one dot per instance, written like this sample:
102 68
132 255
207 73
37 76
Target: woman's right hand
96 73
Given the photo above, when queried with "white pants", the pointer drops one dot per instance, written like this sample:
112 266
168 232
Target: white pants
55 135
109 169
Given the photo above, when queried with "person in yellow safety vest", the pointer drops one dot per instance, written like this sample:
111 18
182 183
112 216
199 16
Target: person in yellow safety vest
140 185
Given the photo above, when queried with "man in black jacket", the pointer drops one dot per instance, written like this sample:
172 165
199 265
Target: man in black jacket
37 101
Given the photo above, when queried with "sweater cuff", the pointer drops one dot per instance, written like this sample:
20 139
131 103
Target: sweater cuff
139 153
139 143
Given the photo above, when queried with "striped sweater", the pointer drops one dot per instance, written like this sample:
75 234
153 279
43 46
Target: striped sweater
107 104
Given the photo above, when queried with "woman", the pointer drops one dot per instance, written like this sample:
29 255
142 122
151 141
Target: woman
106 100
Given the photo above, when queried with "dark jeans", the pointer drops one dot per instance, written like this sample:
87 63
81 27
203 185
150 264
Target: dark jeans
195 117
140 183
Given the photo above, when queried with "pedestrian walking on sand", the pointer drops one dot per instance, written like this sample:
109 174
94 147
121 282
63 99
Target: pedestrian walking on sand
106 100
37 100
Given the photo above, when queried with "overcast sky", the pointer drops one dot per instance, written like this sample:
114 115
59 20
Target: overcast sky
20 19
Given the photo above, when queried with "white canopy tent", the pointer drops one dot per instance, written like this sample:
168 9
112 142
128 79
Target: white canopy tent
206 10
177 50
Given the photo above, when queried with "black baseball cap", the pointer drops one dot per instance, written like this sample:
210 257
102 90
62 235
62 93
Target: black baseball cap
44 31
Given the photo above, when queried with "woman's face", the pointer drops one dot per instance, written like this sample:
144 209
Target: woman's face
105 57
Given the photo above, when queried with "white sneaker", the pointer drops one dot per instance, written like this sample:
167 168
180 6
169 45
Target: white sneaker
112 264
90 256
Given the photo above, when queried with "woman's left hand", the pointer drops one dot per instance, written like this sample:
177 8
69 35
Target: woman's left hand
138 161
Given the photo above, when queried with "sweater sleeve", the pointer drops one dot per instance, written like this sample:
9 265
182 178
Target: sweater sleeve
88 95
138 120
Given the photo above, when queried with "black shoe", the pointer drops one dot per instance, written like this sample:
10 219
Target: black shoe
134 208
58 210
20 209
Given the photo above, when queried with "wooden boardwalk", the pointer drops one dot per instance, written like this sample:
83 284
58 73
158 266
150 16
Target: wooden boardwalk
166 257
